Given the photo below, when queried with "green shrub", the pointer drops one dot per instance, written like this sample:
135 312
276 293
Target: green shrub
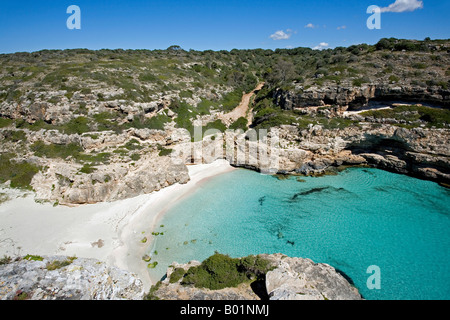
87 169
133 144
41 149
157 122
36 126
14 135
94 159
54 265
221 271
176 275
151 295
148 77
186 94
419 65
393 79
231 100
5 122
135 156
77 125
163 151
360 81
241 123
33 258
19 173
184 115
105 121
204 107
215 125
273 120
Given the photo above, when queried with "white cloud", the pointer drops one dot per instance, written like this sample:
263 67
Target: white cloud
403 6
310 25
342 27
321 46
280 35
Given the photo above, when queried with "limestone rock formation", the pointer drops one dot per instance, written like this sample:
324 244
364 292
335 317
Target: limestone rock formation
419 152
63 278
357 97
63 183
302 279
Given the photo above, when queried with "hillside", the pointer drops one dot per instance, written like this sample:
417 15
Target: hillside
81 126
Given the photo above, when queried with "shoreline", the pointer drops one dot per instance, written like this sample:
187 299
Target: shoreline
110 231
148 216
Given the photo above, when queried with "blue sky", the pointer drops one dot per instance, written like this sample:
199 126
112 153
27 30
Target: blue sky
243 24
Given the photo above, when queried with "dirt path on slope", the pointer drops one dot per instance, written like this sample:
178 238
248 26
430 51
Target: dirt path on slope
242 109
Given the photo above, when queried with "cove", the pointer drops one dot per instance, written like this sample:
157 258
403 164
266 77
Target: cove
359 218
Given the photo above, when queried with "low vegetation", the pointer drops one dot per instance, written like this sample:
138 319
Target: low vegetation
218 272
19 173
5 260
221 271
58 264
33 257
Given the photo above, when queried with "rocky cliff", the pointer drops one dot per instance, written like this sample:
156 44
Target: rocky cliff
315 150
356 97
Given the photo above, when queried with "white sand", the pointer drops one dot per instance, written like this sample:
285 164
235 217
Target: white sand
110 232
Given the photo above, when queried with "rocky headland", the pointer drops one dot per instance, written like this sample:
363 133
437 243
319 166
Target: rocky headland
286 278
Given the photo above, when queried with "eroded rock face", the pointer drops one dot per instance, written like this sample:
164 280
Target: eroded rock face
290 279
358 97
81 279
418 152
62 182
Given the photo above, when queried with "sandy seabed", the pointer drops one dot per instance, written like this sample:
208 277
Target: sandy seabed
112 232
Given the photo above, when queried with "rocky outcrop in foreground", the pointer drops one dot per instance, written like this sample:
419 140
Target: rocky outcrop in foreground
70 278
63 278
289 279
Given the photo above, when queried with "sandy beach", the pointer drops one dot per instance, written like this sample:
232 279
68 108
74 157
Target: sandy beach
111 232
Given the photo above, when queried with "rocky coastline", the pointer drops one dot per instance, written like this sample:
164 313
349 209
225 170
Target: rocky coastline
71 136
71 278
313 150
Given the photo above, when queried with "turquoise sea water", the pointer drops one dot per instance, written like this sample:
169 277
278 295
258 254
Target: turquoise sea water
353 220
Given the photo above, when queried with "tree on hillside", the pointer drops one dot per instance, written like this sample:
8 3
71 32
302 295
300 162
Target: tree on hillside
282 73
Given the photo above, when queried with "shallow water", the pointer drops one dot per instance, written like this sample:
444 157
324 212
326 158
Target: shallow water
353 220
